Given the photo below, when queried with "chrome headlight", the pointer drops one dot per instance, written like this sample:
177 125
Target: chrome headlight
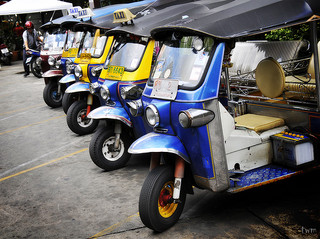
58 64
93 87
38 61
136 108
152 115
51 60
78 71
104 92
69 66
96 71
131 92
195 117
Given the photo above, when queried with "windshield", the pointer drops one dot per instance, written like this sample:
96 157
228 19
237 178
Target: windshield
93 46
179 60
127 53
54 41
73 39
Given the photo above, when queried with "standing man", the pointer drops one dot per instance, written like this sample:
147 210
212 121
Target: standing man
30 37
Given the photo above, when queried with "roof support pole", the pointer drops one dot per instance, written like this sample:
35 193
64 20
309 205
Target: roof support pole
313 26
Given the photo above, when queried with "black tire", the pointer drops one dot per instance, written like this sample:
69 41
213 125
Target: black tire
102 153
150 195
35 69
77 121
51 96
67 100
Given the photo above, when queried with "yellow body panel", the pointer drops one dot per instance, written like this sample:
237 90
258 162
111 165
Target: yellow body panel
142 72
84 60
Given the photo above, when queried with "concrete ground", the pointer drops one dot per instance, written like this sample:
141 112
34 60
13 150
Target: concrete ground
50 188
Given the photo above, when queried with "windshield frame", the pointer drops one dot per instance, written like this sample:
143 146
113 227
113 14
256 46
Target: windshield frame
119 40
93 35
204 69
82 33
46 37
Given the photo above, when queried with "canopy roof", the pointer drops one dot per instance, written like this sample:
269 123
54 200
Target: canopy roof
105 18
31 6
235 18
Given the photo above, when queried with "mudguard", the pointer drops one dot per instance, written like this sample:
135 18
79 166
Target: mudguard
107 112
67 79
153 142
52 73
78 87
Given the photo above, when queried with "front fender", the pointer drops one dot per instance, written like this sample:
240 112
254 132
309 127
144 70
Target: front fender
107 112
52 73
155 143
78 87
67 79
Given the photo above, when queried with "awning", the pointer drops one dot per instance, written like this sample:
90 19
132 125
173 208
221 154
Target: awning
31 6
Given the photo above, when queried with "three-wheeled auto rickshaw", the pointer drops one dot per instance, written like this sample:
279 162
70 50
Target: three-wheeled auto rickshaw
53 44
222 133
69 55
124 76
88 65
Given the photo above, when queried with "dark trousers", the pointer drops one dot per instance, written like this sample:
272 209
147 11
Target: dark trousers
24 58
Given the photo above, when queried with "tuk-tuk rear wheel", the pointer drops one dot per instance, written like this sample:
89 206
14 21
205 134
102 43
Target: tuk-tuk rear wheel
35 69
102 152
156 207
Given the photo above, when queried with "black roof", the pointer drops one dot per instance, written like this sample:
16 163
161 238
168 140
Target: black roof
235 18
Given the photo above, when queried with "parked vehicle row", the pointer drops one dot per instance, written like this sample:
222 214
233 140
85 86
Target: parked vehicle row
172 79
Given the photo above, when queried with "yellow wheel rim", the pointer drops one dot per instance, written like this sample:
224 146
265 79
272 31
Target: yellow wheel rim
166 209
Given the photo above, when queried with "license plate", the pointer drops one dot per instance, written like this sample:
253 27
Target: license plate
165 89
28 60
115 72
85 58
4 50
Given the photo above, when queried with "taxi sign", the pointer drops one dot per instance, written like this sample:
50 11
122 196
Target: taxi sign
74 11
87 12
122 15
115 72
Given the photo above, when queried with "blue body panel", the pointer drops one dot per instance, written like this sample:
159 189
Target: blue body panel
195 140
78 87
153 142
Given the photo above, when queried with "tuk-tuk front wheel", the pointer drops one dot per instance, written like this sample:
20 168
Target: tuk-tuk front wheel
77 119
51 95
156 207
67 100
104 154
35 68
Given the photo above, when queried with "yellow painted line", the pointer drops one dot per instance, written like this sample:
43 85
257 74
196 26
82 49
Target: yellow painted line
21 109
114 226
44 164
26 126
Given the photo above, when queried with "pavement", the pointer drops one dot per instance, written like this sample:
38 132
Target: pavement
50 188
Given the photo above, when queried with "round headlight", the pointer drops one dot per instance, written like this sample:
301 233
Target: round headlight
78 71
51 60
38 61
104 92
152 115
58 64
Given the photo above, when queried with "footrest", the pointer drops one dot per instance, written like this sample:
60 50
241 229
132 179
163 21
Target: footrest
260 176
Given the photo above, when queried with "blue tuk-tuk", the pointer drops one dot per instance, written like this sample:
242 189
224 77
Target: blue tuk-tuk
222 132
